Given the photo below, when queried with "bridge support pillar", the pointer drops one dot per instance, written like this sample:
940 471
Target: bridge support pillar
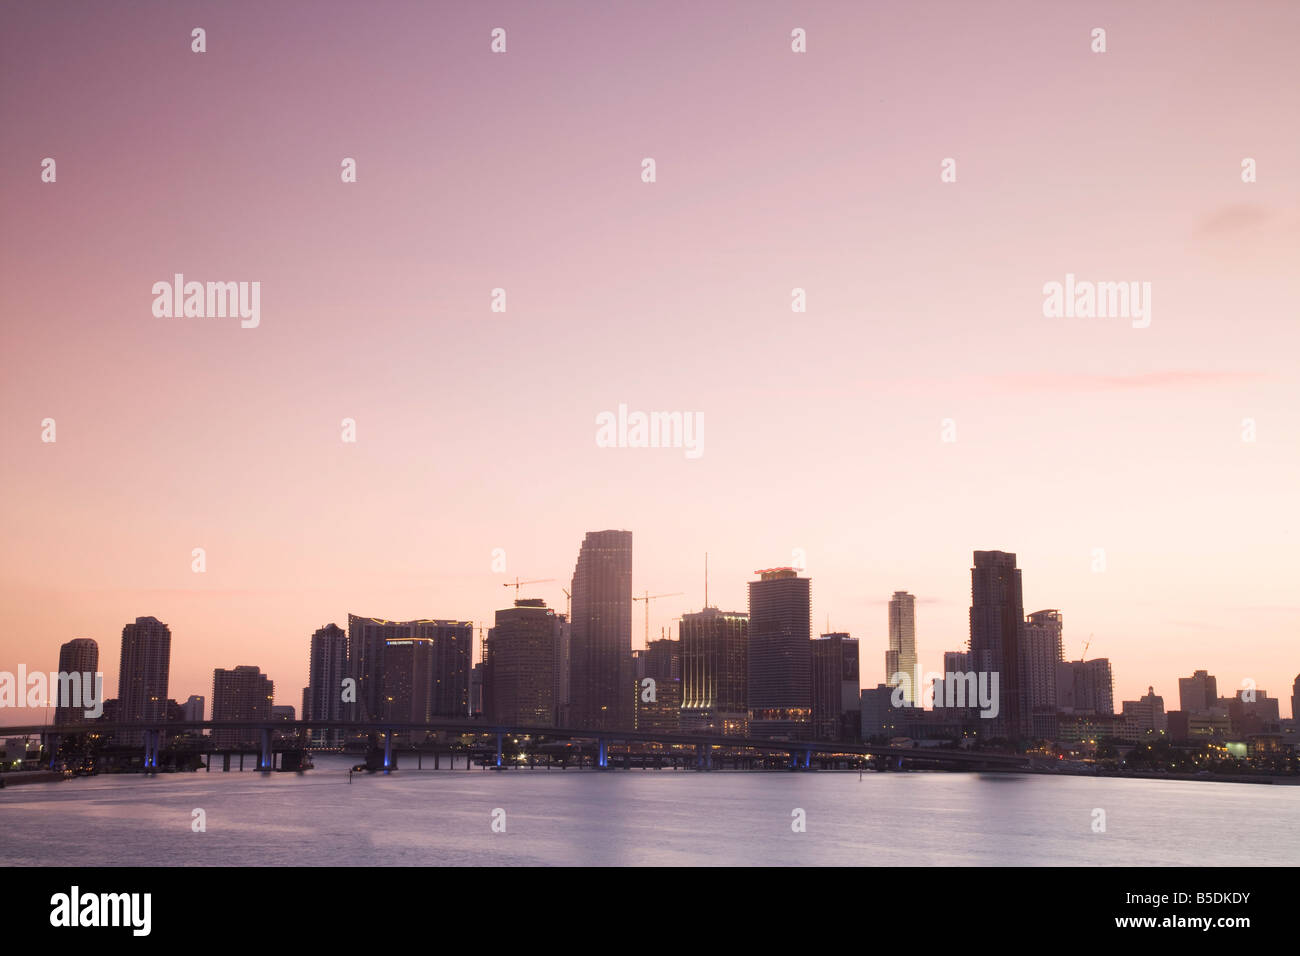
807 759
151 750
500 737
266 760
51 744
703 757
388 751
604 753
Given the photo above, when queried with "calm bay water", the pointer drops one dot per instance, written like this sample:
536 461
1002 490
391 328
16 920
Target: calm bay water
635 817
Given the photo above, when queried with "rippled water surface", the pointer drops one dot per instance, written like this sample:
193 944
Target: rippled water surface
644 818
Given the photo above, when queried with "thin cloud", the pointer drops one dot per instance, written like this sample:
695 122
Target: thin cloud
1234 219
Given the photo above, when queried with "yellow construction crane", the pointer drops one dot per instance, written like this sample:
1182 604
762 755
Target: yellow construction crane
648 597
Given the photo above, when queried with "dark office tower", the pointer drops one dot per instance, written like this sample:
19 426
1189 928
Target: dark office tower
193 709
836 695
79 656
1295 699
714 650
519 682
142 676
1198 693
1257 715
453 651
780 658
901 656
1040 652
327 667
996 615
879 716
664 660
448 677
407 681
476 689
600 647
244 693
565 632
657 706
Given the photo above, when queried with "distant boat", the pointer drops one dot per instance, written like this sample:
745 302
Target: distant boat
295 761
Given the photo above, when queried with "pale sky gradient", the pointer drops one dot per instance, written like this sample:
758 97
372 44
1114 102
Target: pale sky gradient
775 170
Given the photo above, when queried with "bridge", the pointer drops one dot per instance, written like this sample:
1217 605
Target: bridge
800 752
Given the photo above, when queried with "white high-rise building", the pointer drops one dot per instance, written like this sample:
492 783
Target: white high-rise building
901 656
1040 652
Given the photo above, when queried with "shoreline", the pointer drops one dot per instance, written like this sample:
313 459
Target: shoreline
21 777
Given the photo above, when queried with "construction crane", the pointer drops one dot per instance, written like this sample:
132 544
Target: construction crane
648 597
568 600
1086 645
517 584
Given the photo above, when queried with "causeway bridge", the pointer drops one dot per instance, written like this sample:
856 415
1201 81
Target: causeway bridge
271 734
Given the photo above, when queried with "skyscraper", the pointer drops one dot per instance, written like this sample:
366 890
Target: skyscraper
453 654
657 706
407 680
562 645
664 660
1040 652
879 718
142 675
244 693
996 616
1198 693
715 671
780 655
600 645
449 652
1085 687
901 656
327 666
836 694
1295 699
1253 712
193 708
519 679
78 656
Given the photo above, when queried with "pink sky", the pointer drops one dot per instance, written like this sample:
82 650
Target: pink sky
775 170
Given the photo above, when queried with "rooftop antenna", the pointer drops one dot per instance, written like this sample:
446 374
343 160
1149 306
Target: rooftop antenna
706 580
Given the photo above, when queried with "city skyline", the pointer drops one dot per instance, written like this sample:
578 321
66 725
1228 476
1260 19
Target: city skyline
1042 629
1079 443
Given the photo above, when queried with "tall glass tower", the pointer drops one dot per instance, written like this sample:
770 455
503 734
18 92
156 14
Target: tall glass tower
901 656
780 655
600 642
